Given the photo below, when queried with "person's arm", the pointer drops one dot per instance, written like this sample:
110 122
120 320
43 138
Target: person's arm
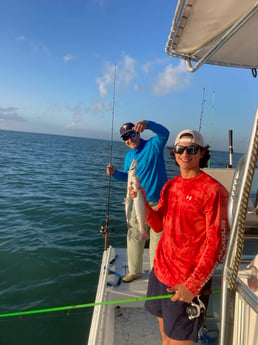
120 175
117 174
162 133
216 233
154 218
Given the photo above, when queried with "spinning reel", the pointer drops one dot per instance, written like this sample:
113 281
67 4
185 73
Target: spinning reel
194 310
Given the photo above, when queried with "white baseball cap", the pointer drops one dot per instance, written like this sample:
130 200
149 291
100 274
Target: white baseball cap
194 137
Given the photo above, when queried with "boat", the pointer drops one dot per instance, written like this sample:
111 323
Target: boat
200 35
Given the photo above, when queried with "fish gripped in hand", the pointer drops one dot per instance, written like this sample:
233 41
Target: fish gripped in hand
138 201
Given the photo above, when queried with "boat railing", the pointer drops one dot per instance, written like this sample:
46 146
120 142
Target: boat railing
246 310
237 212
98 309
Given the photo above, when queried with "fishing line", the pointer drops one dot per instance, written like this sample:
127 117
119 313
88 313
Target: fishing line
211 126
201 116
88 305
113 115
104 229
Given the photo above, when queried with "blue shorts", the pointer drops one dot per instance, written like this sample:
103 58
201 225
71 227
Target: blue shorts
176 322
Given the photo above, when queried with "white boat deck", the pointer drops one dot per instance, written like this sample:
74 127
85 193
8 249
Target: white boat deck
136 288
130 318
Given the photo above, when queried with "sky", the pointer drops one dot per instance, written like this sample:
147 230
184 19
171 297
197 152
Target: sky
85 67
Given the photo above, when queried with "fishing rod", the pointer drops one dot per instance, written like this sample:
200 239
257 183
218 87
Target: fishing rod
211 125
203 100
93 304
104 229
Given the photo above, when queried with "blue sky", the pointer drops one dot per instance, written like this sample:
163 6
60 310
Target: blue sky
57 67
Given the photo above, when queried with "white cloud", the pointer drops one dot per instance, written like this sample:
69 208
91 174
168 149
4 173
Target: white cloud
125 73
106 79
77 112
136 87
126 70
10 114
68 57
38 47
46 51
54 107
172 78
98 107
147 66
20 38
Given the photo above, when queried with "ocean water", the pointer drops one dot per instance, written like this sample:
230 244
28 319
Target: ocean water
54 198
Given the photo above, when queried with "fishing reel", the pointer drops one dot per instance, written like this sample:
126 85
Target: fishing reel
194 310
103 229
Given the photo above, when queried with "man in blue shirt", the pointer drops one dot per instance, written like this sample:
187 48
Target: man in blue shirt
151 171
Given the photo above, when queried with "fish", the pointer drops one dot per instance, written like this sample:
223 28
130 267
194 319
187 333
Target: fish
128 199
138 201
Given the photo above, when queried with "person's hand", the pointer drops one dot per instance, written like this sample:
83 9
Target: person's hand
181 293
140 126
132 192
134 187
110 169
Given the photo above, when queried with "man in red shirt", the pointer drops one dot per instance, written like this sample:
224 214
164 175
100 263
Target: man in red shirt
192 213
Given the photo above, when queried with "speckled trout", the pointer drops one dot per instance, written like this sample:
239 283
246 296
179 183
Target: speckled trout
138 201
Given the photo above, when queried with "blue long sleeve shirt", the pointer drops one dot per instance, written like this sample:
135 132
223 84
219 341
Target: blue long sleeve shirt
151 168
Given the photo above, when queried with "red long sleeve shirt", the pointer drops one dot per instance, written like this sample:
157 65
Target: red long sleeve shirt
192 213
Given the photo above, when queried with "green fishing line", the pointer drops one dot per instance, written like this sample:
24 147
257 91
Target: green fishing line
87 305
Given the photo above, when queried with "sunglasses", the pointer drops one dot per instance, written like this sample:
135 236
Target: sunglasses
191 150
131 135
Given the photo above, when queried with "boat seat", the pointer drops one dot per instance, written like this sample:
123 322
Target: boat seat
224 176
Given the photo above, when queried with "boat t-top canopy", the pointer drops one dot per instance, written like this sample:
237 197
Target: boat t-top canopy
221 32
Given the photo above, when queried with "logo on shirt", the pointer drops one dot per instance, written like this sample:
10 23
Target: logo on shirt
189 197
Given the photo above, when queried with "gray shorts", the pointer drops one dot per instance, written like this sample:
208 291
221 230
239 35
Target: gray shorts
176 322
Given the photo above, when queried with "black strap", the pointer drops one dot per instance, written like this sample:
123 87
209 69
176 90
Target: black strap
254 72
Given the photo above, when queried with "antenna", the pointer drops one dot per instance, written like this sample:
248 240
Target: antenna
211 124
203 100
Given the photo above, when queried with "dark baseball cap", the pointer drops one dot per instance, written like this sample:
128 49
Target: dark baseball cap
126 128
